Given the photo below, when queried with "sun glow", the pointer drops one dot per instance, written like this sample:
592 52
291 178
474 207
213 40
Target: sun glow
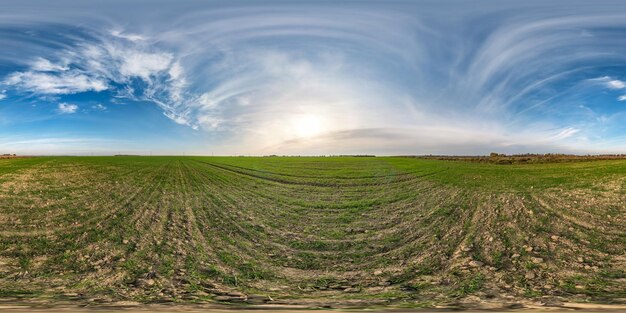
309 125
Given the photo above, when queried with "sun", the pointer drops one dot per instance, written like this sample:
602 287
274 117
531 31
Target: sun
308 125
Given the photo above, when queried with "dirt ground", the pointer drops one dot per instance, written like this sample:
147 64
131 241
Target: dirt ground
317 232
133 308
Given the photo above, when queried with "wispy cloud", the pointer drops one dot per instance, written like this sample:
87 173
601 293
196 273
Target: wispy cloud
43 65
615 84
610 83
99 107
565 133
127 36
59 83
67 108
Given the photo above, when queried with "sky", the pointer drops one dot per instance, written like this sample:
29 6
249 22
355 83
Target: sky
312 77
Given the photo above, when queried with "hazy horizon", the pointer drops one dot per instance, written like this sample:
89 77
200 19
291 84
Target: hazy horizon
312 77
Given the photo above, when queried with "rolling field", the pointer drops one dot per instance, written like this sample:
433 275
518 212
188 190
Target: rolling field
312 231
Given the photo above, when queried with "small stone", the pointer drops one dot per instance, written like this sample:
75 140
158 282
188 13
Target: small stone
528 249
258 299
515 255
351 290
548 287
537 260
378 272
530 276
229 298
580 259
125 241
222 298
554 237
236 294
144 283
466 249
475 263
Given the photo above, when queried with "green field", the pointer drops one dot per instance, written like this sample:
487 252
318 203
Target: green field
310 230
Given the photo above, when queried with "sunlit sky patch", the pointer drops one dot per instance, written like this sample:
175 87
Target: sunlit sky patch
312 77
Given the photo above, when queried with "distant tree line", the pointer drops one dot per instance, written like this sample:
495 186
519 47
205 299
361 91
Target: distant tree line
501 158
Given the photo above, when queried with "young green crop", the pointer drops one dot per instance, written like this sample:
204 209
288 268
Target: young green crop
296 228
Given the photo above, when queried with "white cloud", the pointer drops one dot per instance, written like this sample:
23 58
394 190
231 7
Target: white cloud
209 122
44 65
127 36
565 133
177 82
176 71
177 118
2 95
130 69
99 107
56 83
610 83
615 84
145 65
207 101
67 108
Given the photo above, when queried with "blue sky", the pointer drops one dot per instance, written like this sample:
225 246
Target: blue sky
312 77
